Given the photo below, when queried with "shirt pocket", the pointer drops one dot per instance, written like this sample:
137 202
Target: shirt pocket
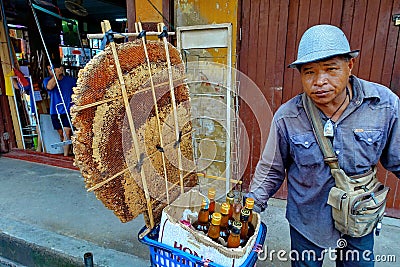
305 149
367 145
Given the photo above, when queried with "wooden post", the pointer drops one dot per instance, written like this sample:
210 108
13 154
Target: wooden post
6 64
173 103
106 27
139 24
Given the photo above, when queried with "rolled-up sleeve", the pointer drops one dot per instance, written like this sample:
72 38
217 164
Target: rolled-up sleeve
270 171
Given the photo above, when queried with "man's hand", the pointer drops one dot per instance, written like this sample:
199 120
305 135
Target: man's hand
59 72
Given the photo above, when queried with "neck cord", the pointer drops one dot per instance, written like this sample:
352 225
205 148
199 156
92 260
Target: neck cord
328 127
347 94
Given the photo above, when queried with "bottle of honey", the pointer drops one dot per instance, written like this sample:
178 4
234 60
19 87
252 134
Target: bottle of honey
202 224
234 236
211 207
244 219
229 200
214 230
237 207
249 206
224 232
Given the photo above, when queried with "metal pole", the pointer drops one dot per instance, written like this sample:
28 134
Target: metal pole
51 64
88 259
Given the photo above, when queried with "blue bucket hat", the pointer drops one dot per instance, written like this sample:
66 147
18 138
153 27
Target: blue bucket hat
322 42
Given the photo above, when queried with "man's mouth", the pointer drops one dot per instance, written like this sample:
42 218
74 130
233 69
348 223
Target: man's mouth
321 93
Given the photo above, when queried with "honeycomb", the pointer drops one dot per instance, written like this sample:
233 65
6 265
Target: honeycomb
103 143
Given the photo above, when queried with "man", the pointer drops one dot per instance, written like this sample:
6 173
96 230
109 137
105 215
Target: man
362 122
60 104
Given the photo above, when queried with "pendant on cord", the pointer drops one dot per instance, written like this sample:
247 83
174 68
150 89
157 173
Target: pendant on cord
328 128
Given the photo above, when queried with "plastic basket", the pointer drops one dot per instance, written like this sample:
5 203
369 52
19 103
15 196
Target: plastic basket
165 255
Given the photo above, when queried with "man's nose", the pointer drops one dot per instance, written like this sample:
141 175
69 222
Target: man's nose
321 79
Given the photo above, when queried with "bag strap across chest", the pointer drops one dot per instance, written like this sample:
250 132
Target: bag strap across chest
323 142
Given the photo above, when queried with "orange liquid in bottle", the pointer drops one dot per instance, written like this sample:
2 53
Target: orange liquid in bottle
249 206
202 223
244 217
224 232
234 237
213 231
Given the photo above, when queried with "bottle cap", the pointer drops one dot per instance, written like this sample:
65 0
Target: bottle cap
211 193
204 204
236 227
244 215
229 197
216 218
249 203
225 208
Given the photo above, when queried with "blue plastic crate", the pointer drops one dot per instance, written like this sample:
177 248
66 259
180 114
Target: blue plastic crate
164 255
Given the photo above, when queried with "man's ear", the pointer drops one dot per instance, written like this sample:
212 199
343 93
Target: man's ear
351 64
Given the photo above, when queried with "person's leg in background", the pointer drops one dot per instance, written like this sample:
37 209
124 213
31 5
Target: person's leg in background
68 133
61 123
67 148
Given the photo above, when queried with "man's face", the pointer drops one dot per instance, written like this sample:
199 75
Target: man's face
324 80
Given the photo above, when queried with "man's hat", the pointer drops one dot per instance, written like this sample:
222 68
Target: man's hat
321 42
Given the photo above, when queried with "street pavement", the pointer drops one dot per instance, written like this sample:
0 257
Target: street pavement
47 218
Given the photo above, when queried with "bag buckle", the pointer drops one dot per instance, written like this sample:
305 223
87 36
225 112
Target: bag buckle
378 228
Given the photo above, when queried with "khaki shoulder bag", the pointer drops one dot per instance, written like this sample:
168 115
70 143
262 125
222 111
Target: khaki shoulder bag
358 202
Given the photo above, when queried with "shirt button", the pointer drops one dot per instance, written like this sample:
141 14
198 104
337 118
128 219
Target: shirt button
369 139
358 102
337 152
306 142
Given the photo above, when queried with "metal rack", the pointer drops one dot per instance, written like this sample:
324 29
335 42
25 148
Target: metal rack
202 70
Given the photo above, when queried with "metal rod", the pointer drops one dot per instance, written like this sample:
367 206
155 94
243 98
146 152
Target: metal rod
218 178
51 64
88 259
124 35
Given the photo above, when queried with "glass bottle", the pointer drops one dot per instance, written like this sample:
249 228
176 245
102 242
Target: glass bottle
213 231
202 224
249 206
229 200
234 236
237 207
211 207
244 219
224 232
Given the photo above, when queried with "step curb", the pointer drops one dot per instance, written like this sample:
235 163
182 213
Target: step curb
31 246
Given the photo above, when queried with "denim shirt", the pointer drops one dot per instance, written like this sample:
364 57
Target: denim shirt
367 131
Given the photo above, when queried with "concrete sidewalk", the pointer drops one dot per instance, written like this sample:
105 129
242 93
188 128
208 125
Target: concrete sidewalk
48 219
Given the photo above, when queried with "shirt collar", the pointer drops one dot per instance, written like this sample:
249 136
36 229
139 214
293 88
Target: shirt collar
362 92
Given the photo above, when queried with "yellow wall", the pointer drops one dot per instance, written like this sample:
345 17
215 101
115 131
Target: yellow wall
145 12
200 12
193 12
